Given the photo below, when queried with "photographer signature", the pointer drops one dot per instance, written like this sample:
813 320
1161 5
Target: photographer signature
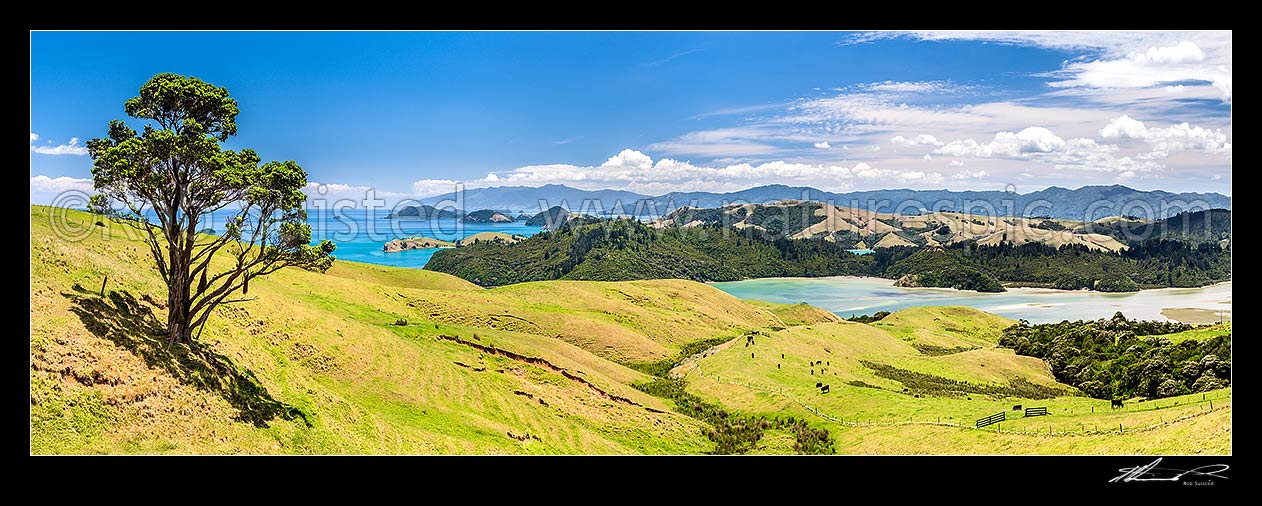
1151 472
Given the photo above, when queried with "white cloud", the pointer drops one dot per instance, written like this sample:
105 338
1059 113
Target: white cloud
919 140
1007 144
915 175
431 187
734 141
70 148
823 145
1181 137
628 159
60 184
955 163
334 192
1116 58
636 171
1042 145
970 174
912 87
926 157
1152 67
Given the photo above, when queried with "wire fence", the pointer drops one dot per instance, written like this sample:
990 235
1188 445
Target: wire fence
1207 398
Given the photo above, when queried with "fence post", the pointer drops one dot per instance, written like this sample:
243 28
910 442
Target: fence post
103 281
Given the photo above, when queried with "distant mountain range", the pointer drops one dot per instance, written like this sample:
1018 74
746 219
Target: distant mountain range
525 199
1085 204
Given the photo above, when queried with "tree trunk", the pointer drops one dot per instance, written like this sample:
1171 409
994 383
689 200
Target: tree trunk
179 306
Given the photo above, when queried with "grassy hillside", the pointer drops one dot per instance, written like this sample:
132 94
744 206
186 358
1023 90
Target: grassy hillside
315 365
887 396
1201 334
371 359
796 314
945 327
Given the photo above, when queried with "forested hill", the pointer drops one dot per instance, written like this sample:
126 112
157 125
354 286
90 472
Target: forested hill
1213 225
629 250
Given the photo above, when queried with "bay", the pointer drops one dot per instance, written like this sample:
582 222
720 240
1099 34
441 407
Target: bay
847 296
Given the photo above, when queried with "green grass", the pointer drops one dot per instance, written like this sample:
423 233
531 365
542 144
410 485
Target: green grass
317 365
322 346
993 380
1201 334
945 326
796 314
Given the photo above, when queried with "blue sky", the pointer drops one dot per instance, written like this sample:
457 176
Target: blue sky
411 113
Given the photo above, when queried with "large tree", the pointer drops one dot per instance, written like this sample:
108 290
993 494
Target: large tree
174 173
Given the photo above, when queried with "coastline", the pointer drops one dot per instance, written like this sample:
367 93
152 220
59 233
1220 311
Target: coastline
1016 289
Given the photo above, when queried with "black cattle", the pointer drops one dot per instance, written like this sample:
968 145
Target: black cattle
1016 407
1117 403
825 389
818 384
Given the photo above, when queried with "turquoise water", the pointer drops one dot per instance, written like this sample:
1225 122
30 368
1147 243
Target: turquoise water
360 239
861 251
360 235
849 296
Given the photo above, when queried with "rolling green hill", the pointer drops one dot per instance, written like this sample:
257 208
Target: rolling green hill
371 359
888 397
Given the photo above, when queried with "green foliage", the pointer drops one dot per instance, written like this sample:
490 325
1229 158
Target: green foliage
877 316
1150 264
1118 358
1196 227
663 367
1047 225
177 169
936 351
733 433
928 384
1114 282
621 250
943 268
552 218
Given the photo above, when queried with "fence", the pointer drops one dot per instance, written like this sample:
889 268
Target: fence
859 421
1035 412
995 418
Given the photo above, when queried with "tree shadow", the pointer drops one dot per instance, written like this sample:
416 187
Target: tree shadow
121 318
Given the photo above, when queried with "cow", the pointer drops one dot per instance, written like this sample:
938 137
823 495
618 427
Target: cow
825 389
1016 407
1117 403
818 384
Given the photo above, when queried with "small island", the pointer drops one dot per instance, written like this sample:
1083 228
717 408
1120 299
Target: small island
415 243
493 237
